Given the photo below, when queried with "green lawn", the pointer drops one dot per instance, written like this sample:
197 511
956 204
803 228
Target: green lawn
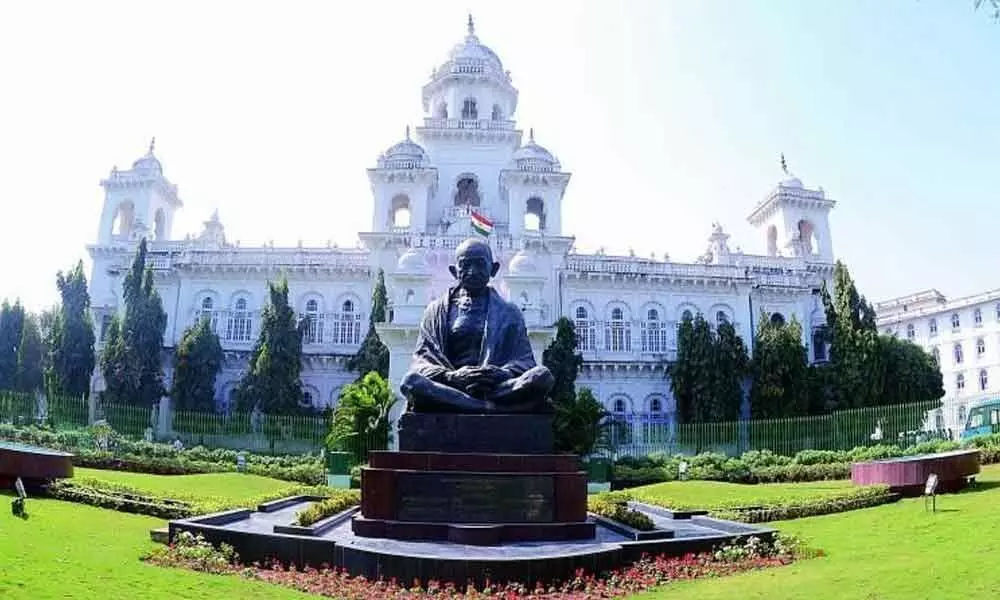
710 494
892 552
69 550
222 486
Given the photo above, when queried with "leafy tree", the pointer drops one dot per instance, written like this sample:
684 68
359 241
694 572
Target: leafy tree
198 360
361 420
373 354
272 382
581 424
29 356
11 326
910 375
992 7
780 371
730 368
71 336
132 362
563 361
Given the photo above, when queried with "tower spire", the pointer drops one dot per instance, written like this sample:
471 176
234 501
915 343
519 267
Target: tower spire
471 27
784 165
407 132
152 145
531 135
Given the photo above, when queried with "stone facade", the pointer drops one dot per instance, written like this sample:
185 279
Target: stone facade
964 335
467 162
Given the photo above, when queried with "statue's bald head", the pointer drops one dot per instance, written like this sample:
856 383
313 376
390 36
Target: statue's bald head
474 265
474 246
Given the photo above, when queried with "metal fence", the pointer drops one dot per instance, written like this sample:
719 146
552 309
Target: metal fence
640 435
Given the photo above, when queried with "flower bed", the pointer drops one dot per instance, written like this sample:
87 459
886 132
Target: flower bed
128 499
193 552
614 506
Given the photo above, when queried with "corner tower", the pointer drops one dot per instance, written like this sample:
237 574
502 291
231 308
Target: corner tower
795 220
138 203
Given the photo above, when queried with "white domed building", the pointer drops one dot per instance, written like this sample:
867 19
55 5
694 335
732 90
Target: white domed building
467 170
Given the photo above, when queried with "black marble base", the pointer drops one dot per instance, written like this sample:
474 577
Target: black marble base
474 534
508 434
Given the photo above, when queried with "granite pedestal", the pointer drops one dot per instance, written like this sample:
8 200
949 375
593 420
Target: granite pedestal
474 479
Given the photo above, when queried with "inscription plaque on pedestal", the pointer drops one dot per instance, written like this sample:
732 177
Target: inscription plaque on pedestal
433 497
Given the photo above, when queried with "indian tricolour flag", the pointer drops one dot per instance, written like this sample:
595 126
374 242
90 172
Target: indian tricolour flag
481 223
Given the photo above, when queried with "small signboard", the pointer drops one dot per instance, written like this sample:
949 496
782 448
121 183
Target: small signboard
17 507
930 491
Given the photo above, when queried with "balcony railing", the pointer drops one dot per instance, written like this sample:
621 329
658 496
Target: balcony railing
490 124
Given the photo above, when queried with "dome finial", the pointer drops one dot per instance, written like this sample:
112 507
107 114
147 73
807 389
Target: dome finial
784 165
471 27
152 145
531 135
407 132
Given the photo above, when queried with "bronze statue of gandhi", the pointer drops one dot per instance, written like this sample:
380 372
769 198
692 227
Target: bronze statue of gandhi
472 353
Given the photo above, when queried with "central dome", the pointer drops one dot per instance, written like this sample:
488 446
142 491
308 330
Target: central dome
472 56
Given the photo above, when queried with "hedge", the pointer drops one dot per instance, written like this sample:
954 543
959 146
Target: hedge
128 499
150 457
614 506
318 511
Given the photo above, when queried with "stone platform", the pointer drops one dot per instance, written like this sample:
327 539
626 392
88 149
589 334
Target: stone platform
474 479
907 475
35 466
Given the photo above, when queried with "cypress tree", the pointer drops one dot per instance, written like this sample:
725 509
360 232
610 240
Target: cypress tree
272 381
71 336
780 371
11 325
373 355
563 361
729 370
29 356
132 360
198 360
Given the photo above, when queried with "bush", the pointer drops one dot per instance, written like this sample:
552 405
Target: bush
931 447
798 473
797 508
337 503
614 506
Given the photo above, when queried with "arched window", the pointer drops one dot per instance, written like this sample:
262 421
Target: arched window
721 317
105 324
956 323
469 110
348 325
998 312
958 354
984 380
939 420
399 211
772 241
618 337
960 382
655 406
585 331
497 113
962 415
686 315
121 225
654 331
208 310
980 347
936 355
159 225
238 328
467 192
314 323
932 327
410 295
911 331
807 237
534 214
307 398
777 318
441 112
819 344
620 406
977 317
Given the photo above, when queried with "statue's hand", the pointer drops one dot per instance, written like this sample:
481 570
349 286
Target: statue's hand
463 377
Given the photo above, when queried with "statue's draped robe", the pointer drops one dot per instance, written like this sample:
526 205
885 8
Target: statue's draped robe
505 340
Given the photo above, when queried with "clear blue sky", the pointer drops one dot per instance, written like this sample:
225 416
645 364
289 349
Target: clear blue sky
669 114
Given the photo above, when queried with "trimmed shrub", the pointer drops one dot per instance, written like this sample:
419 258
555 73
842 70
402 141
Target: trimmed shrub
338 502
614 506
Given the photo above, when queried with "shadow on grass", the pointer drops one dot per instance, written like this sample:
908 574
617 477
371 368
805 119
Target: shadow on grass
980 486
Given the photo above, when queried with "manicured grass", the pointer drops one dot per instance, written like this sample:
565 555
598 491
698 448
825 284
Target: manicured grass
68 550
221 486
893 552
710 494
